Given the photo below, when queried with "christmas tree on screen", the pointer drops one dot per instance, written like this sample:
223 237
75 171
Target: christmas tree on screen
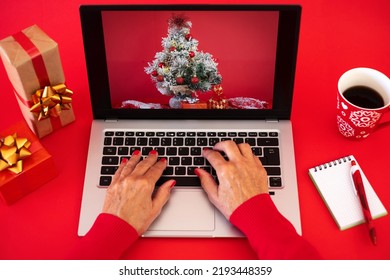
180 69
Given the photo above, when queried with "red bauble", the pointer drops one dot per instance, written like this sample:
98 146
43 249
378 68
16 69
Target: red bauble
172 49
179 80
194 80
161 64
160 78
188 36
154 73
191 54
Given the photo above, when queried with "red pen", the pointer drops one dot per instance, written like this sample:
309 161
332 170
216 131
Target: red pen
359 186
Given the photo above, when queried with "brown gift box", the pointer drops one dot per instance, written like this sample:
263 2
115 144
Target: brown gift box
38 168
32 61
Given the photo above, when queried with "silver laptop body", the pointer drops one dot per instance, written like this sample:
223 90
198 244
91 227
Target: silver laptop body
188 213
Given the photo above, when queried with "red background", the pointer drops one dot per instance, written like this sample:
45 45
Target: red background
244 46
335 36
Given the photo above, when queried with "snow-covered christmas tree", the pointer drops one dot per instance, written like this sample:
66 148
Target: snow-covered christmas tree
180 69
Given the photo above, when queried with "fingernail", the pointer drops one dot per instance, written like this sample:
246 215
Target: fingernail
153 152
196 171
124 160
135 153
163 159
173 184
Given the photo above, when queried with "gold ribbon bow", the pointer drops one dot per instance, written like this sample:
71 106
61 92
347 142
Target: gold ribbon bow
51 100
12 151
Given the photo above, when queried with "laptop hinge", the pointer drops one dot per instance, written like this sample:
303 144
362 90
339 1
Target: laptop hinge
272 120
111 120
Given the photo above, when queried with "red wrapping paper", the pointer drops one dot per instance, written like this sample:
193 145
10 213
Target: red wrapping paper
32 61
38 168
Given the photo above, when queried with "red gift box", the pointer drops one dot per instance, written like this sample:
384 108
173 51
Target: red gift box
38 168
32 61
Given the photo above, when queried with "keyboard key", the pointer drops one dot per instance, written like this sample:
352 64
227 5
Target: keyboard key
109 133
109 151
119 133
123 151
275 182
142 141
106 160
146 150
107 141
150 133
180 170
268 142
129 133
105 181
273 134
190 142
250 141
108 170
171 151
154 141
201 142
184 151
178 142
166 141
272 155
186 161
130 141
213 141
199 160
195 151
118 141
160 151
140 133
174 161
272 170
168 171
184 181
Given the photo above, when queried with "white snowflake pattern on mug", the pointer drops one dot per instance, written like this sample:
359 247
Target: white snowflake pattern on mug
364 118
344 128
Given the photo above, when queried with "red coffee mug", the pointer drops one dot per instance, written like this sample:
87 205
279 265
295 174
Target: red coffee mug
363 97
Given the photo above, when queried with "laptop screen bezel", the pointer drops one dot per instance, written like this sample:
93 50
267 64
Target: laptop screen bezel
286 55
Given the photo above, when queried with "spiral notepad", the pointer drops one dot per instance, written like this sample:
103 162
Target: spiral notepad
334 182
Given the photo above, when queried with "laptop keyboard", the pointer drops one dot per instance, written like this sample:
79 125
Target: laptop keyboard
183 151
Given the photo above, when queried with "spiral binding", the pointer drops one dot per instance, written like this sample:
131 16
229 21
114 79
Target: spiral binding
332 163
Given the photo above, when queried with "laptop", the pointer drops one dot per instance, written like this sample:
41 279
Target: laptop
179 78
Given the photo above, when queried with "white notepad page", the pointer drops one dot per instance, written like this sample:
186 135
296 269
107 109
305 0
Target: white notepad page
333 180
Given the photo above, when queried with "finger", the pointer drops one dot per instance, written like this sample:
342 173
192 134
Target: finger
156 170
230 148
208 184
145 164
245 150
129 167
118 172
214 158
161 197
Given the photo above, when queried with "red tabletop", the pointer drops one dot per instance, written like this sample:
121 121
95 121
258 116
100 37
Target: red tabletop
335 36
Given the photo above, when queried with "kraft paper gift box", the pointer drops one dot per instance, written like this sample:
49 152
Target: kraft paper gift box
32 61
37 168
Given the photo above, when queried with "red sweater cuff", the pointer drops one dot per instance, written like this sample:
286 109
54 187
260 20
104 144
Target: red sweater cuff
108 238
270 234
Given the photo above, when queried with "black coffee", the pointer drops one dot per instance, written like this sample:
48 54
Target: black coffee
364 97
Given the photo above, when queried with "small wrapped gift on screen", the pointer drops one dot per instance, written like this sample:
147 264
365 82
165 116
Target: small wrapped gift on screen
25 165
33 65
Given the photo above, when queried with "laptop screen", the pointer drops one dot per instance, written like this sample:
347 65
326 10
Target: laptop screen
197 61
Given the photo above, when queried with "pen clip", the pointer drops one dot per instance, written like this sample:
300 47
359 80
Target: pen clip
354 168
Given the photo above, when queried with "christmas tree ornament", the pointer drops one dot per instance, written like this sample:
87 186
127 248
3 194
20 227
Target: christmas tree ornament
161 64
218 100
191 54
160 78
154 73
194 80
188 36
179 80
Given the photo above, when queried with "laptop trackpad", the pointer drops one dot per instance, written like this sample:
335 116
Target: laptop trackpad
186 210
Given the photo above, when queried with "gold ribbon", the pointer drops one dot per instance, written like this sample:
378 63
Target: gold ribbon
51 100
12 151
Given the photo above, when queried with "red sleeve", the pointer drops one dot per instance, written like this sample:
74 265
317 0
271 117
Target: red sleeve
108 238
270 234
